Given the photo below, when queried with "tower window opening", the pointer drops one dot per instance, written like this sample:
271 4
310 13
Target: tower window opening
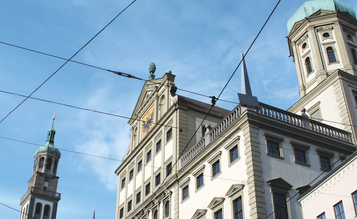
354 55
350 38
46 212
55 167
331 55
304 45
38 210
48 164
326 35
40 165
308 65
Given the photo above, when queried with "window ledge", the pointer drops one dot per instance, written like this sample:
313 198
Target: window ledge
201 187
215 176
185 199
233 162
303 164
275 156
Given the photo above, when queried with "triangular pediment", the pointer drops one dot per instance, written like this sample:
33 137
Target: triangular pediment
234 189
215 201
199 213
279 183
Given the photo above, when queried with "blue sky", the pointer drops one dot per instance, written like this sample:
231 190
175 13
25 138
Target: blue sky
200 41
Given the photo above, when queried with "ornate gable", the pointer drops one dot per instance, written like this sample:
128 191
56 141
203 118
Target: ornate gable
199 213
234 189
215 201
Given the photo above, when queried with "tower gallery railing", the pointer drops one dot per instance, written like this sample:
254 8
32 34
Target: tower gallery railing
268 111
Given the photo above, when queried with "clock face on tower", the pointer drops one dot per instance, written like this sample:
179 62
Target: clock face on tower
147 122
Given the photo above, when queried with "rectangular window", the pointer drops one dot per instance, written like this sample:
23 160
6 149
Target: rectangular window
129 206
339 211
148 156
169 134
215 168
300 155
354 198
131 174
168 169
46 179
325 163
123 183
218 214
138 197
233 153
321 216
273 148
281 211
199 180
157 179
140 165
158 146
185 192
121 213
237 208
147 189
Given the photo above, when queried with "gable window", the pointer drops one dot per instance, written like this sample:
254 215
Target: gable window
218 214
123 183
233 153
157 179
199 181
148 156
138 197
322 216
129 206
185 192
308 65
168 169
237 208
140 165
354 198
168 134
339 211
331 54
158 146
131 174
147 189
215 168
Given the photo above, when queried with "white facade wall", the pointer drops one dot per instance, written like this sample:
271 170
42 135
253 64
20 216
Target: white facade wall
337 187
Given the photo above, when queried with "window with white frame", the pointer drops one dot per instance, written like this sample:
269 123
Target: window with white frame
235 193
339 211
198 174
354 198
184 185
321 216
216 206
233 153
274 145
216 168
301 154
215 165
280 194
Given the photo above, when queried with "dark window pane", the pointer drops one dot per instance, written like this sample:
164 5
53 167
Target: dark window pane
131 174
300 155
129 206
325 163
280 206
308 65
331 55
237 208
273 148
168 135
147 189
138 197
167 209
158 146
354 197
218 214
199 180
148 156
321 216
168 169
215 168
233 153
185 192
123 183
140 164
339 211
121 214
157 179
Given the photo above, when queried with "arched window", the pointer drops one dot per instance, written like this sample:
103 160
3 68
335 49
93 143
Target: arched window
46 212
331 55
155 214
38 210
55 167
167 209
40 165
354 55
48 164
308 65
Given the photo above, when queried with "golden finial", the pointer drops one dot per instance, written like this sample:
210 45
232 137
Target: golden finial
54 116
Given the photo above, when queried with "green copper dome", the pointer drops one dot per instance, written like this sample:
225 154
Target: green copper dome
49 145
310 7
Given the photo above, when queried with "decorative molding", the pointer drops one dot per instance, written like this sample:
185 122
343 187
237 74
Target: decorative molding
234 189
199 213
324 152
314 108
215 202
215 157
199 171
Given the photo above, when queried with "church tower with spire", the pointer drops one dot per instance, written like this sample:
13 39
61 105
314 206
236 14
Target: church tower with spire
323 42
41 199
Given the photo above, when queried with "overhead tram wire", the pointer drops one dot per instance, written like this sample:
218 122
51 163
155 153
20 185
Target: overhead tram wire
214 99
22 212
68 60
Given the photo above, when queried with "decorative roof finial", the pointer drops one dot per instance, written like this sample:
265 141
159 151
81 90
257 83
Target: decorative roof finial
152 69
245 85
53 118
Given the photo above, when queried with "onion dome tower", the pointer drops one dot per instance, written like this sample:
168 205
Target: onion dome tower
41 199
322 39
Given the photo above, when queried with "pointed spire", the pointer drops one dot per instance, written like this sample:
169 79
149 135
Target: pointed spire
245 85
51 134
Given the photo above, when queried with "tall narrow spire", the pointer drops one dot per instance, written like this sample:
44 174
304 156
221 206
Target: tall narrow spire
246 98
245 85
